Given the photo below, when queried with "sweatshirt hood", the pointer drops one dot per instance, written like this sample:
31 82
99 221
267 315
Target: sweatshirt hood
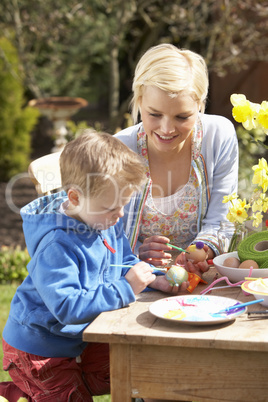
42 216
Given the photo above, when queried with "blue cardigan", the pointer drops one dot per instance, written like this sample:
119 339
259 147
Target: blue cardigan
70 280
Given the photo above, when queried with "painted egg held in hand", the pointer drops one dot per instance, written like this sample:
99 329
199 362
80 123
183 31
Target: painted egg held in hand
176 275
196 253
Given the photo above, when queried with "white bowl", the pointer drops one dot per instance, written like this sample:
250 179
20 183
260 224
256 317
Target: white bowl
236 274
248 287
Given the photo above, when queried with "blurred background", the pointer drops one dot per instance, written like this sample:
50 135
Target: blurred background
89 49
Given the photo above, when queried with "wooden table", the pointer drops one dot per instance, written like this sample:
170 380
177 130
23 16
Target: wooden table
152 357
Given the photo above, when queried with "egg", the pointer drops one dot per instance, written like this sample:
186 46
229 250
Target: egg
248 264
231 262
176 274
196 253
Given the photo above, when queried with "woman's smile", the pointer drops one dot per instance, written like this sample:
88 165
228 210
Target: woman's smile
166 138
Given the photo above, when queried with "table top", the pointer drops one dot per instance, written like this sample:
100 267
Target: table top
136 325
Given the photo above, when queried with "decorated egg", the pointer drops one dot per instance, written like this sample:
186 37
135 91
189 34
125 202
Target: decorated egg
176 275
231 262
248 264
196 253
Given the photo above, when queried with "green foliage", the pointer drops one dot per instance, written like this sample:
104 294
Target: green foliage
90 48
16 122
102 398
6 294
76 129
13 263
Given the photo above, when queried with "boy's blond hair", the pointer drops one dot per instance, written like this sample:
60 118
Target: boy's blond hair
173 70
96 159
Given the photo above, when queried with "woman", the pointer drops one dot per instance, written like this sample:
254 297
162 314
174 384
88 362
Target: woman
191 158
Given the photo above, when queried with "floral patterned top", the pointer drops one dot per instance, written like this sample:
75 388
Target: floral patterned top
174 216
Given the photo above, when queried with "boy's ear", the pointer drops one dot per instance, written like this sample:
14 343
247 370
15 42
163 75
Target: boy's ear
73 196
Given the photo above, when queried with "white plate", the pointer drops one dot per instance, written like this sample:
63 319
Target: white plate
195 309
236 274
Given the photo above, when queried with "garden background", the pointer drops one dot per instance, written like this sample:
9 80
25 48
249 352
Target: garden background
89 49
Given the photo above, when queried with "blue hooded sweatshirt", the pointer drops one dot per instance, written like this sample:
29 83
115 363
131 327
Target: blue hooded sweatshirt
70 280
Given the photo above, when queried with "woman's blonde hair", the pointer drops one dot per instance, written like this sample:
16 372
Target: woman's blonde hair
173 70
96 159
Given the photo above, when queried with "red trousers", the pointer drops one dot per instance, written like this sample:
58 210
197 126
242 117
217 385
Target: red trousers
57 379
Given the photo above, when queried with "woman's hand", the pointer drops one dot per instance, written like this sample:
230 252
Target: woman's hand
162 284
154 250
198 268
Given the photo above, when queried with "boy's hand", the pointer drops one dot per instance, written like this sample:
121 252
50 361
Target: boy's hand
140 276
162 284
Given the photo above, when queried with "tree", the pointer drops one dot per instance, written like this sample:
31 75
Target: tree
90 48
16 121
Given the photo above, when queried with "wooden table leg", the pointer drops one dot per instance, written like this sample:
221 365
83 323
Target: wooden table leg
120 373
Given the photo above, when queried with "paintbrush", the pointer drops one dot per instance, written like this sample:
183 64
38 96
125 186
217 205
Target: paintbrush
130 266
239 305
177 248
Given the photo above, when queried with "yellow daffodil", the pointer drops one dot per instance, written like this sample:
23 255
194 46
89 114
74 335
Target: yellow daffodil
251 115
257 219
263 115
261 204
264 202
241 204
227 198
261 174
238 211
244 111
257 205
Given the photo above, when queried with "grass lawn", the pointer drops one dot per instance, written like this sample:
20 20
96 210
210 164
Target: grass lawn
6 295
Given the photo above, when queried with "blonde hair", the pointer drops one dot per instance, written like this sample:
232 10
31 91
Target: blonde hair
94 159
173 70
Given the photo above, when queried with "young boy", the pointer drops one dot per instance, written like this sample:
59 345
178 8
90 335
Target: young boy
78 247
